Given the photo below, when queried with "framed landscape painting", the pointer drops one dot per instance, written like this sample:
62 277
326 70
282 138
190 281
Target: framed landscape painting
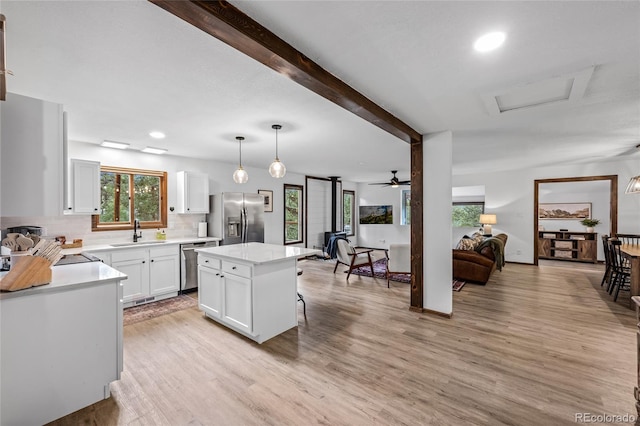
571 211
376 215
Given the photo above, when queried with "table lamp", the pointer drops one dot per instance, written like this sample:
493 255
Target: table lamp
487 220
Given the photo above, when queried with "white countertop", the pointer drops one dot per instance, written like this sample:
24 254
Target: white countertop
66 277
258 253
145 243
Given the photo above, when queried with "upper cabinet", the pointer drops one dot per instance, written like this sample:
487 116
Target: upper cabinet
83 195
193 192
32 160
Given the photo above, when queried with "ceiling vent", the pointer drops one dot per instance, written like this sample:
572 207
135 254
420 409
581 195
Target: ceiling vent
568 87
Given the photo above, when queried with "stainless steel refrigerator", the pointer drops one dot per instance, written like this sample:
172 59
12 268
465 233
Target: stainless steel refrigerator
236 217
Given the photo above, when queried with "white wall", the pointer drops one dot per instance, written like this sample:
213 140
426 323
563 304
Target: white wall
381 236
510 196
179 225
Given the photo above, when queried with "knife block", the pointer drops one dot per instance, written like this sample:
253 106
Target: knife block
25 272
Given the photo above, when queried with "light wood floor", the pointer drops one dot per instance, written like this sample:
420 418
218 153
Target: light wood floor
532 347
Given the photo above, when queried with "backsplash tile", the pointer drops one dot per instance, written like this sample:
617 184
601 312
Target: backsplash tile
179 226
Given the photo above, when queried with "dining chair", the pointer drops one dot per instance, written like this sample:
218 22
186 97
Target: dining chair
606 278
621 275
632 239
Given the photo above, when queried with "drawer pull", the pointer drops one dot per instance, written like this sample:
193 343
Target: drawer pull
217 275
206 261
233 267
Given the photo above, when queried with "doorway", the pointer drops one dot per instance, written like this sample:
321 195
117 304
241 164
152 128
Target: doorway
613 203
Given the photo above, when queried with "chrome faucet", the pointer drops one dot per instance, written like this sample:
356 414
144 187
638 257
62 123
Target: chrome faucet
136 226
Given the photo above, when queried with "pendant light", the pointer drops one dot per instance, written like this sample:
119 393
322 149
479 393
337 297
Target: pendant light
277 169
240 175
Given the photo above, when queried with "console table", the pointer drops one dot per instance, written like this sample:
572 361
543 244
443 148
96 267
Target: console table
568 245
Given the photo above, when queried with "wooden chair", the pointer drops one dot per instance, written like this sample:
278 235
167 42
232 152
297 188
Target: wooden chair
606 278
398 260
620 275
347 255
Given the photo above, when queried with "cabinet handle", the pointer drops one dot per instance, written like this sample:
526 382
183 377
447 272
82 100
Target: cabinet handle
152 260
95 209
233 267
143 261
221 276
206 261
217 275
69 208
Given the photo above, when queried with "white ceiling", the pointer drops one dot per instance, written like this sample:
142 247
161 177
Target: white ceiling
124 68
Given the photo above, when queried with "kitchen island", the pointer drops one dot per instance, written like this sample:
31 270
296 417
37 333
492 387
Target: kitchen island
61 343
251 288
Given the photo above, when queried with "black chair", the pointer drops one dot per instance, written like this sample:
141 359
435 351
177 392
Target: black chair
632 239
301 298
620 275
606 278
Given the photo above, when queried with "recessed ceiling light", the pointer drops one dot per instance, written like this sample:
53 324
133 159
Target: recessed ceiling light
116 145
151 150
489 41
157 135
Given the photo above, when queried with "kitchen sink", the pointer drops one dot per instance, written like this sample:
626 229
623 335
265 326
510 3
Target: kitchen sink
139 243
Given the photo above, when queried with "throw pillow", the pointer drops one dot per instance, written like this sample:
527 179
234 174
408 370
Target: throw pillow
466 244
477 238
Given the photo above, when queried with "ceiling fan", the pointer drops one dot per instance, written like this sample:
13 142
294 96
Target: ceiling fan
394 182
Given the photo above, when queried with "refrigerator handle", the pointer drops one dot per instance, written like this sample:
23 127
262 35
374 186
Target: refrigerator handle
246 226
243 222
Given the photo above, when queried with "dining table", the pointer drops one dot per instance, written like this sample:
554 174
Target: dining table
632 253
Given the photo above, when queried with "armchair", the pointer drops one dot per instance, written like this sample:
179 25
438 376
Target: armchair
398 260
347 255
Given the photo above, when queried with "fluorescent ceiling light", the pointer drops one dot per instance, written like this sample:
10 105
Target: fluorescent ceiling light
116 145
489 42
150 150
157 135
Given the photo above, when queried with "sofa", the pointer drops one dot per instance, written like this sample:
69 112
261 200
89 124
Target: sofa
475 260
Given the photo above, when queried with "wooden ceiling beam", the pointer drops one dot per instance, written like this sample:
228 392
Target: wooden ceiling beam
230 25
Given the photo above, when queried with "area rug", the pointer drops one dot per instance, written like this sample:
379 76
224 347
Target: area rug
159 308
380 271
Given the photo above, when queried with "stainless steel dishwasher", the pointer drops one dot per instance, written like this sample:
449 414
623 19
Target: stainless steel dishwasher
189 264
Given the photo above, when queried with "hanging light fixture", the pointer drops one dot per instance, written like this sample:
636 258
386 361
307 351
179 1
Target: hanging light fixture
277 169
634 185
240 175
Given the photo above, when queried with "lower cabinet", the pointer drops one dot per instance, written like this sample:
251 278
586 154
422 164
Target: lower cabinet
152 272
258 301
236 305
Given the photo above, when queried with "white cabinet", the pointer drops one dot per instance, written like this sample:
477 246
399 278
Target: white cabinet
210 289
193 192
60 348
153 273
164 271
83 195
258 301
31 155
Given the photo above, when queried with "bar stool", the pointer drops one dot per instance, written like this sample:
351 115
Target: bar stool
300 297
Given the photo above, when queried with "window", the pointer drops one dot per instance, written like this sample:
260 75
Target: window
405 207
348 211
293 213
467 214
128 194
